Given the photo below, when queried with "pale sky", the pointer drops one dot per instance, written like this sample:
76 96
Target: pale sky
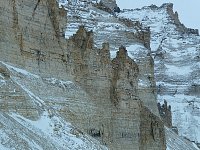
188 10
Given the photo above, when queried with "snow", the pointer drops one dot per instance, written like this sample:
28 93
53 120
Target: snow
2 147
134 51
185 114
142 83
175 43
33 96
62 3
175 142
156 19
137 50
179 51
2 82
1 76
110 26
22 71
55 129
195 146
168 148
175 70
113 54
50 127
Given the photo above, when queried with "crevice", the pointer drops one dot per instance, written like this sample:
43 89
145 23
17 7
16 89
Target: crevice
38 2
20 40
15 15
51 5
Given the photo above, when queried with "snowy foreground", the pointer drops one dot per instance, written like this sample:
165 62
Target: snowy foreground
49 130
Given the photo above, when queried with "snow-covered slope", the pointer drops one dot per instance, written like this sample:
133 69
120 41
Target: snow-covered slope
106 26
29 120
177 65
175 142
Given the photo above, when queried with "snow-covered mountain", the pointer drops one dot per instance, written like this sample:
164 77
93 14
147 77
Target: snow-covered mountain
176 52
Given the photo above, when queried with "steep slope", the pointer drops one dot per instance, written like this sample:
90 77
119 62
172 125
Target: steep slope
175 142
175 49
29 121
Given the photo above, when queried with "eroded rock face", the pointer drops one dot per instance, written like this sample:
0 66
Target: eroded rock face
175 50
35 37
165 113
113 87
124 78
103 100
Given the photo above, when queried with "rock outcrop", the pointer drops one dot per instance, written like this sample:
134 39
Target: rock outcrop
116 96
78 76
165 113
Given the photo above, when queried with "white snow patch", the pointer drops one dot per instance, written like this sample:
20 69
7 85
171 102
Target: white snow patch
2 147
133 51
22 71
59 131
1 76
110 26
33 96
2 82
71 29
174 43
113 54
62 3
136 50
54 81
142 83
174 70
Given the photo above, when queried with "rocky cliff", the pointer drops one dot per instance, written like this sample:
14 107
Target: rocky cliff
100 97
68 64
175 49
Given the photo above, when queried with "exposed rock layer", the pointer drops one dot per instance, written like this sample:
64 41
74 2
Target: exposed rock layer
104 101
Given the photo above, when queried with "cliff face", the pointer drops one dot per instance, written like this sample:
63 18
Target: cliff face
31 31
175 49
74 81
113 87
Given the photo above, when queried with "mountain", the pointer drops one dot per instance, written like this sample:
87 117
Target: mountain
80 75
175 50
